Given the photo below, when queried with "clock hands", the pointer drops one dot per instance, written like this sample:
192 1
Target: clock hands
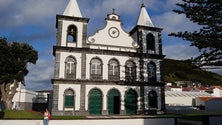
114 32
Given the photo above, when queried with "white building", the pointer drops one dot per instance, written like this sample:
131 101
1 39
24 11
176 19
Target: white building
217 91
23 98
176 100
109 72
28 100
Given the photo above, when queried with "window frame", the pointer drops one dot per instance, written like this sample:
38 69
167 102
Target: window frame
96 69
71 94
151 72
113 70
70 68
130 71
72 32
150 42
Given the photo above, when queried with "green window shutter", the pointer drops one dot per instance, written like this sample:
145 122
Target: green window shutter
69 101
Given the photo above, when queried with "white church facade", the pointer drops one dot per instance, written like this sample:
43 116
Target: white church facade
112 72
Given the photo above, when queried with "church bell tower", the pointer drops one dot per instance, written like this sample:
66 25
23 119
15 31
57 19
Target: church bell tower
71 34
71 27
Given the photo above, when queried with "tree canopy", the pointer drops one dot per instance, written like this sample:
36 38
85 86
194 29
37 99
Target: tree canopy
14 57
13 60
208 38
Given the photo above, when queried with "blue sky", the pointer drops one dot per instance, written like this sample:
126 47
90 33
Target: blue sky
33 21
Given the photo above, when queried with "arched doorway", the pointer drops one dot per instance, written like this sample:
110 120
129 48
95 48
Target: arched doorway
131 102
113 102
95 102
152 97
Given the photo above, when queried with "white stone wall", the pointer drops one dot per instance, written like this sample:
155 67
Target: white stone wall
104 89
213 120
105 60
149 121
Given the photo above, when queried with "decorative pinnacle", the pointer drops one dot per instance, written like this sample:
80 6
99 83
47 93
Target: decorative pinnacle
113 11
143 5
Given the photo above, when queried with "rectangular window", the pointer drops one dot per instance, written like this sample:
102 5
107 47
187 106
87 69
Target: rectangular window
69 101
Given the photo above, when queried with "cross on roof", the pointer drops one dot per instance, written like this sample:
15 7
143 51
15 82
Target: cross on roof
113 11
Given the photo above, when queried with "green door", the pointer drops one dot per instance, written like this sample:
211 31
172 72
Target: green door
131 102
113 102
95 102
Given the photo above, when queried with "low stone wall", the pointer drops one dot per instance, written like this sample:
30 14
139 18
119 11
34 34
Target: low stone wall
213 120
149 121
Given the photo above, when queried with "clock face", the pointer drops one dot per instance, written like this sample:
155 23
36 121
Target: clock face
113 32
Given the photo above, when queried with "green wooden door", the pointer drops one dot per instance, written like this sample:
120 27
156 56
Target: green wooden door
95 102
113 102
131 102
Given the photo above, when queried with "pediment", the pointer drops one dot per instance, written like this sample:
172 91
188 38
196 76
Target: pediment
112 35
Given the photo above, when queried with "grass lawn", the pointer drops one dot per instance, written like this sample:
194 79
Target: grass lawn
20 114
32 115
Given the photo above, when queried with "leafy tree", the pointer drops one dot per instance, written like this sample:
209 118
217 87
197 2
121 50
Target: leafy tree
208 38
14 58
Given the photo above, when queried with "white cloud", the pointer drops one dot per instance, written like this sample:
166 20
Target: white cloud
180 51
122 6
40 74
173 22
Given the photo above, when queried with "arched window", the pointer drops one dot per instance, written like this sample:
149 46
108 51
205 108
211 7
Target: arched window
70 68
72 34
96 69
113 70
130 71
150 42
152 97
151 68
69 98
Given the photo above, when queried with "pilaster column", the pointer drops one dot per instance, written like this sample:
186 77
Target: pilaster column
55 99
